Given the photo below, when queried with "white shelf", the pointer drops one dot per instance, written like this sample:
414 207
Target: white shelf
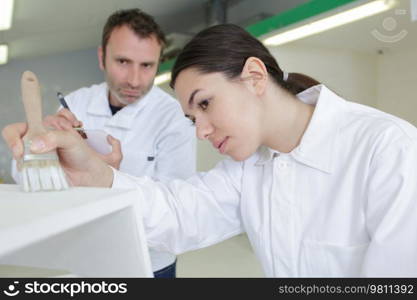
89 232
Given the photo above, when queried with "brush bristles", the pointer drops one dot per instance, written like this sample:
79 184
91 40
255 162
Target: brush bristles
42 174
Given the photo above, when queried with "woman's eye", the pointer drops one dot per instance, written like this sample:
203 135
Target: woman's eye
204 104
191 119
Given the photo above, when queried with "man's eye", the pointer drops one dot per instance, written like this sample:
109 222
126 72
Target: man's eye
122 61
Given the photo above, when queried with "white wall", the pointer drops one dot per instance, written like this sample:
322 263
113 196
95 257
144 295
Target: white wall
351 74
397 79
63 72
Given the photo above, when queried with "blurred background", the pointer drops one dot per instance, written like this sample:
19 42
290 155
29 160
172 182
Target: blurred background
372 60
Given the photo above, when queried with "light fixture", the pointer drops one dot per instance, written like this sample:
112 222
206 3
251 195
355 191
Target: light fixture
6 12
162 78
3 54
326 23
413 8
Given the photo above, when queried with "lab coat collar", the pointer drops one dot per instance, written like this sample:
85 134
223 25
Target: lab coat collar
96 106
125 117
316 148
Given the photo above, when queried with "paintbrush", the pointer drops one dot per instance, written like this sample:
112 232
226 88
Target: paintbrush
40 172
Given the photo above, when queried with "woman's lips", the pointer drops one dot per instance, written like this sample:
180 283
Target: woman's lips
222 146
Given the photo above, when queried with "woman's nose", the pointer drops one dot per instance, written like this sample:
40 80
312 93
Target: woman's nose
204 129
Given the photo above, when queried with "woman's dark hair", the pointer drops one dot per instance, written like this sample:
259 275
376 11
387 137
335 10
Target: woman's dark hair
225 48
142 24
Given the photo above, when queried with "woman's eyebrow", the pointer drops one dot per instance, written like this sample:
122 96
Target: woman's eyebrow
191 99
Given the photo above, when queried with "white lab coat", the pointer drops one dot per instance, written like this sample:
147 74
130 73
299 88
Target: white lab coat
156 139
341 204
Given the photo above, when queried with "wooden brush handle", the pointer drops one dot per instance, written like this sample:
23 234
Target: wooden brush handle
32 101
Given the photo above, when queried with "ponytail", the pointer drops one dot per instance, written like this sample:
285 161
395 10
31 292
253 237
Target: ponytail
297 82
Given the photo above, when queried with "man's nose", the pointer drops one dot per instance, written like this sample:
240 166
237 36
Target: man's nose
134 77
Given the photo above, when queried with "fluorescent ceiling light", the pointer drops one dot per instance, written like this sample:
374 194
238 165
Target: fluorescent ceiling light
3 54
6 12
342 18
162 78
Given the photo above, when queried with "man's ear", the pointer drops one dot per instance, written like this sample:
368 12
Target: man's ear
255 74
100 56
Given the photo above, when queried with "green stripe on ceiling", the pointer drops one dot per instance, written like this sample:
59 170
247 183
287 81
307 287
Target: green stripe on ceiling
166 66
300 13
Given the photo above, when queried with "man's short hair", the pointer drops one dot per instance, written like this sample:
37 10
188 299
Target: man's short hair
142 24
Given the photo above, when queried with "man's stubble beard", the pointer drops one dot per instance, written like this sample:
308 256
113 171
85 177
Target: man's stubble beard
119 98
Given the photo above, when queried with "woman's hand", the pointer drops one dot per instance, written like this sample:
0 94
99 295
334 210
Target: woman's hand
80 163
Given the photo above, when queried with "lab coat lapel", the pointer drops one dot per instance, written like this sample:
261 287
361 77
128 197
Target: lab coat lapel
125 118
98 105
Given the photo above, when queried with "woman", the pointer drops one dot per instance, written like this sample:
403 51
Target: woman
322 186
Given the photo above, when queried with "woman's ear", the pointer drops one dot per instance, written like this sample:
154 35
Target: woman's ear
254 73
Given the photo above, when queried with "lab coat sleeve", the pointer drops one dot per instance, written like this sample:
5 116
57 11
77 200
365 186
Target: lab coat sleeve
391 212
185 215
177 155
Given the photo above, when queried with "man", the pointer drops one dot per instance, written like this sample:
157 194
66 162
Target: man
156 139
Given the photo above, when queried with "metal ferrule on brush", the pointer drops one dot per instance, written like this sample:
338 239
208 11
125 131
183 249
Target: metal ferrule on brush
33 156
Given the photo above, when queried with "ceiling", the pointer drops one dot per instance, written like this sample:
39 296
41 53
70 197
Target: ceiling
390 31
44 27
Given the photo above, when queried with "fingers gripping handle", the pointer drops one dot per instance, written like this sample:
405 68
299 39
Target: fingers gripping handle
32 101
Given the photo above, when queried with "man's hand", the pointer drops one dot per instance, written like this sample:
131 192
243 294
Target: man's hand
66 120
62 120
114 158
